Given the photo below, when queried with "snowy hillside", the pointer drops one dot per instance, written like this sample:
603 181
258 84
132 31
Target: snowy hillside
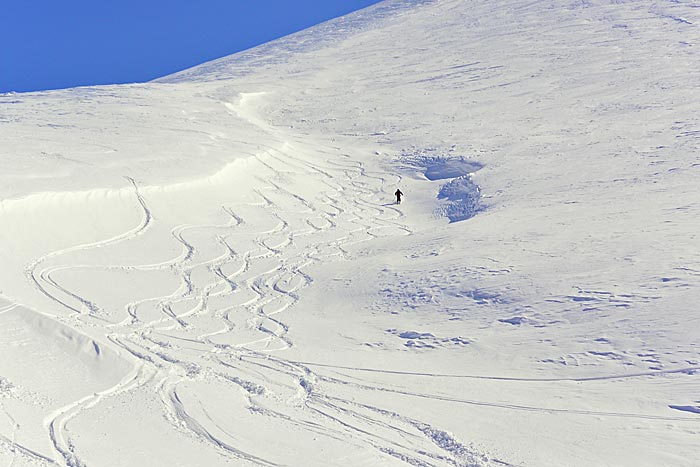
210 269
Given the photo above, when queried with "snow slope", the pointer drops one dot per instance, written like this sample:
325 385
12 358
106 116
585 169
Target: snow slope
209 269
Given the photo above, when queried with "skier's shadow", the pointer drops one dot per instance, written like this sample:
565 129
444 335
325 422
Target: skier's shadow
391 204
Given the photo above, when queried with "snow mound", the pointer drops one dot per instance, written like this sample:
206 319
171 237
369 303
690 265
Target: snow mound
462 196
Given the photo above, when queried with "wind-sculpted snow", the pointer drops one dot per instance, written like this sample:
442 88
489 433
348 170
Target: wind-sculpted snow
212 270
463 198
324 35
460 193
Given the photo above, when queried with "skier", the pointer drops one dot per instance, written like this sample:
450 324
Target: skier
398 196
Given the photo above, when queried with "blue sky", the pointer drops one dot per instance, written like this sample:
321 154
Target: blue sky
53 44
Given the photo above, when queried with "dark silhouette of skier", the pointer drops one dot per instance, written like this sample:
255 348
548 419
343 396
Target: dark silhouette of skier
398 196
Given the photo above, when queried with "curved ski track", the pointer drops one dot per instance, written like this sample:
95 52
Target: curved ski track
246 292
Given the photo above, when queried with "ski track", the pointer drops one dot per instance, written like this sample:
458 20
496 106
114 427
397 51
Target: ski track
272 271
686 370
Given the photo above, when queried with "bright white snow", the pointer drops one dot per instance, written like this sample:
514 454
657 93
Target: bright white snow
210 270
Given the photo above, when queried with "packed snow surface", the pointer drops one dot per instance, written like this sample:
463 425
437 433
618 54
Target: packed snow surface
210 269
